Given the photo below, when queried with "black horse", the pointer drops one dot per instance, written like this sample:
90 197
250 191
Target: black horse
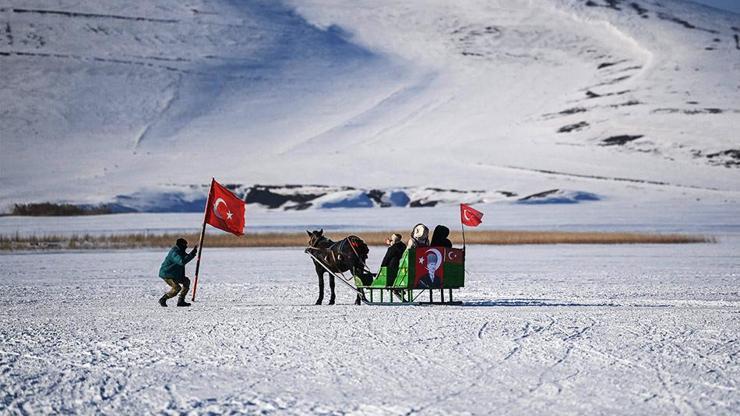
348 254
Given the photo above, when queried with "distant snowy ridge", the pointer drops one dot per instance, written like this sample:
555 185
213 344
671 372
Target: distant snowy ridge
301 197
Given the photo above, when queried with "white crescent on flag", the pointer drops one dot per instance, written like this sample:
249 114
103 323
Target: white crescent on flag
215 209
465 215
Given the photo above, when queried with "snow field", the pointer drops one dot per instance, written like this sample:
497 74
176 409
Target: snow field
555 329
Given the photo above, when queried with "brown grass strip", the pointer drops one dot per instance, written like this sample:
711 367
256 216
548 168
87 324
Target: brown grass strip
128 241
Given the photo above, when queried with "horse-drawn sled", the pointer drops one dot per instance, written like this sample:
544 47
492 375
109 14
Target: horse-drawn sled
425 275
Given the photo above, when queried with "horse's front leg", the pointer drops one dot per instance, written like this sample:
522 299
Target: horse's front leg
320 273
331 286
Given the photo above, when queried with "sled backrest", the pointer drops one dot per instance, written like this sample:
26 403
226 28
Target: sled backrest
435 267
415 271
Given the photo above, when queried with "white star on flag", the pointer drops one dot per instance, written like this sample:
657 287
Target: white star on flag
421 260
229 215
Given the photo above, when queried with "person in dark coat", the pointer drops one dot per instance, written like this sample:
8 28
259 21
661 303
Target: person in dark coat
439 238
172 272
393 255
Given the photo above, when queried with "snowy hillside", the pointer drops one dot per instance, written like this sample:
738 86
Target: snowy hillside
106 98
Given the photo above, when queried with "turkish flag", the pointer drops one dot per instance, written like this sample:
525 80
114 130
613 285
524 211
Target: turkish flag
470 216
225 210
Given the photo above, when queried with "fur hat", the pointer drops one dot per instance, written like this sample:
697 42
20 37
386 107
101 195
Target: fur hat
420 232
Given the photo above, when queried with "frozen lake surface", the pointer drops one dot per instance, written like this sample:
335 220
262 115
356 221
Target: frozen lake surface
550 329
668 215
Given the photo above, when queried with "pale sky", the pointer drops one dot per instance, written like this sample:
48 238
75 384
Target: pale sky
732 5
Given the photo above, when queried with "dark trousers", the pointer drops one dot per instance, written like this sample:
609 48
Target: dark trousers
181 286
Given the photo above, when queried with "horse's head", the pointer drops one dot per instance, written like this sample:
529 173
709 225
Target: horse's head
315 237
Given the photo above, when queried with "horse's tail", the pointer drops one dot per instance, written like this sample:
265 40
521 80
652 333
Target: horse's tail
359 247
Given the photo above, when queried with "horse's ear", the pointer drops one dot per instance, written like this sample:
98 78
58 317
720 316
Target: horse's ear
321 231
308 232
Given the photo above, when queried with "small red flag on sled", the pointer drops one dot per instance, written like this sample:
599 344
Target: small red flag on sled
470 216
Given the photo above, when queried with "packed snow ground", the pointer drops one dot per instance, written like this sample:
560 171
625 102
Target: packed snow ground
548 329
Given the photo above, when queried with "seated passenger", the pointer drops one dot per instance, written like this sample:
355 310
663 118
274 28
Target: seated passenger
396 247
439 238
419 236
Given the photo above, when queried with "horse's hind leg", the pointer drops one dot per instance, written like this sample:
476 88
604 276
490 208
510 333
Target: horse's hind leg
358 270
321 287
331 286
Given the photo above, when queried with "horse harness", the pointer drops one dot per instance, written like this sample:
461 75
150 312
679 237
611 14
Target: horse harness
341 243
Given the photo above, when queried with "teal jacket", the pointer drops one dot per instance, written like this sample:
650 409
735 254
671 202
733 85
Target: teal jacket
173 266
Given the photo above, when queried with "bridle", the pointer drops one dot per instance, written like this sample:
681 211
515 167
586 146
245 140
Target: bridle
318 241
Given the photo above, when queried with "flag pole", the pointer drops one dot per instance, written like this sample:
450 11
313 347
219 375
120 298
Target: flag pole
462 226
202 236
463 232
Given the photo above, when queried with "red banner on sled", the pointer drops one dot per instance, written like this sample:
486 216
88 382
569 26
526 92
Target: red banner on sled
429 267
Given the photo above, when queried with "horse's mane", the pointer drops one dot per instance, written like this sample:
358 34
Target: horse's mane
325 242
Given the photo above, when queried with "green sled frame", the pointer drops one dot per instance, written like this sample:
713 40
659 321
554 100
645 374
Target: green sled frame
412 285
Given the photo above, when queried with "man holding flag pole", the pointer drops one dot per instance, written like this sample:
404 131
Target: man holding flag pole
223 210
172 272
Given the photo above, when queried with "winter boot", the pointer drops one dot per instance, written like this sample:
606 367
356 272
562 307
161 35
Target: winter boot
163 301
181 302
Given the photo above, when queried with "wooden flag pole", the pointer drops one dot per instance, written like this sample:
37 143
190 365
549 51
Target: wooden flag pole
202 237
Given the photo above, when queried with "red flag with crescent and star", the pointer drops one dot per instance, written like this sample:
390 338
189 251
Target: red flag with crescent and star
470 216
225 210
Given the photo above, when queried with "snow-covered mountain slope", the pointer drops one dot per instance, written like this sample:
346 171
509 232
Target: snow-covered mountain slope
107 98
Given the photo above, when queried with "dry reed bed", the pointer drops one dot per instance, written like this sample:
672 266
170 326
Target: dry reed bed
128 241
